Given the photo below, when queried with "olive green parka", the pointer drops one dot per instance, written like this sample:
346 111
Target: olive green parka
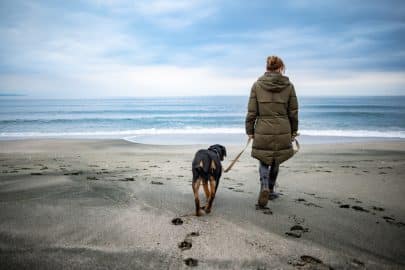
272 117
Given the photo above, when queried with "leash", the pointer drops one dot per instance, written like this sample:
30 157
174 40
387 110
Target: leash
238 156
247 144
297 145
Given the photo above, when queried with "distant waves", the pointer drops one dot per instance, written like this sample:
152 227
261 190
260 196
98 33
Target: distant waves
368 117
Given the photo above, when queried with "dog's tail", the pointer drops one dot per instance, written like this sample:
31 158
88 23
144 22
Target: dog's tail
201 169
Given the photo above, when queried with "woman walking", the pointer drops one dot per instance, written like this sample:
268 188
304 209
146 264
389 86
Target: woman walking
272 123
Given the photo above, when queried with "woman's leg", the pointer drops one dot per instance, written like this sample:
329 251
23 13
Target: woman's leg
264 184
264 175
273 175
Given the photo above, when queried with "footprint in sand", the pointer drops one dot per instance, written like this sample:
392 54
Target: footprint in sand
264 209
355 207
355 200
73 173
376 208
309 262
191 262
177 221
128 179
306 203
156 183
393 221
293 234
186 244
297 231
359 208
348 166
310 259
299 228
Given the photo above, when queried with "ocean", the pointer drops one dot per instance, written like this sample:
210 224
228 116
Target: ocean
180 120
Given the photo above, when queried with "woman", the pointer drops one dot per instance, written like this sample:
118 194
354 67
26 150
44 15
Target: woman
272 123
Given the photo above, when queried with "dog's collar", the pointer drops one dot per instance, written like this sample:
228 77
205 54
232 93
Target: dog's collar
215 150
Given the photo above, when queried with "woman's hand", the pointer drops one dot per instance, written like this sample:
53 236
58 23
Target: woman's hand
293 135
251 136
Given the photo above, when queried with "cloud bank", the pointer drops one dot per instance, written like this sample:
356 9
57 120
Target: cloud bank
101 48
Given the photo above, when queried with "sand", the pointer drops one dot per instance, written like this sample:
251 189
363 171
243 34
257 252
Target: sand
90 204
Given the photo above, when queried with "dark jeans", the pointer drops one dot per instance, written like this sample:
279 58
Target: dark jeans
268 175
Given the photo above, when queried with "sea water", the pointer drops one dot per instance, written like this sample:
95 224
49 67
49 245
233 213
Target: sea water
178 120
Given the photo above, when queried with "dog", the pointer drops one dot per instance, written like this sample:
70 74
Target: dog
207 169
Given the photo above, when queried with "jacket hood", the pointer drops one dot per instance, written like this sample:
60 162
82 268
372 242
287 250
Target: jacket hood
273 82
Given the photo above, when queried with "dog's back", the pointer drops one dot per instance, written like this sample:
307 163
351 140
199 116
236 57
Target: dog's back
206 163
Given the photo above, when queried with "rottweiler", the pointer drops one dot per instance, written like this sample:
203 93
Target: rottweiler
207 169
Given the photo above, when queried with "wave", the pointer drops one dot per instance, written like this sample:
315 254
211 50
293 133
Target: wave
149 131
355 133
200 131
69 118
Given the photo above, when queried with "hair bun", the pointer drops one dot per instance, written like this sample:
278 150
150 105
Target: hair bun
274 63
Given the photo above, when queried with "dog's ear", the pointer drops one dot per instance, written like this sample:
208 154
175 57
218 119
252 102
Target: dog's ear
223 150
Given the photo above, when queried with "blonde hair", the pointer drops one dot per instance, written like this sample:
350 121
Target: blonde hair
275 64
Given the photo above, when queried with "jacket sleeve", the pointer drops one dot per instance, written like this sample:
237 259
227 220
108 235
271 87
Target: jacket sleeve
252 112
292 111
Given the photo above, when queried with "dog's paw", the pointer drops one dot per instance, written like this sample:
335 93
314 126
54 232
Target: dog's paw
206 209
200 212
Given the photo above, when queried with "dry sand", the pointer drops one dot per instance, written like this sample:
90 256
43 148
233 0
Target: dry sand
89 204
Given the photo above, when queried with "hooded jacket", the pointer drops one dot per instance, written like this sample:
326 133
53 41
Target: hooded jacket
272 117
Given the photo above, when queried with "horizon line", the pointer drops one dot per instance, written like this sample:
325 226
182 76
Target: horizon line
180 96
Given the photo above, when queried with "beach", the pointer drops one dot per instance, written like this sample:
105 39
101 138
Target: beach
103 203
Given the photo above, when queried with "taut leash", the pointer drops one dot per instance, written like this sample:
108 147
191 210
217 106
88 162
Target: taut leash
247 144
238 156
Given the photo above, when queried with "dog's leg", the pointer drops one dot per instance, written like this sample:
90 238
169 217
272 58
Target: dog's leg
196 187
212 195
207 193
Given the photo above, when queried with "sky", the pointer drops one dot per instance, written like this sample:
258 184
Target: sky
107 48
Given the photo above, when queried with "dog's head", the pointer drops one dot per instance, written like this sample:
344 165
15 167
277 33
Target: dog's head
221 150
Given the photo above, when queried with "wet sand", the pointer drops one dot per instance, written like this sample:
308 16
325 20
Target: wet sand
88 204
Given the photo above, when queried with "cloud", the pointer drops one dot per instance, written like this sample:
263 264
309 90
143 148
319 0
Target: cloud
107 48
166 14
123 80
350 83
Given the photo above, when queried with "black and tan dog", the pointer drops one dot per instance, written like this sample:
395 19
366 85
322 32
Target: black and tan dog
207 169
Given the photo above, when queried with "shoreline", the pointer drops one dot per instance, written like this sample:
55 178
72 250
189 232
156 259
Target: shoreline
109 203
203 139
